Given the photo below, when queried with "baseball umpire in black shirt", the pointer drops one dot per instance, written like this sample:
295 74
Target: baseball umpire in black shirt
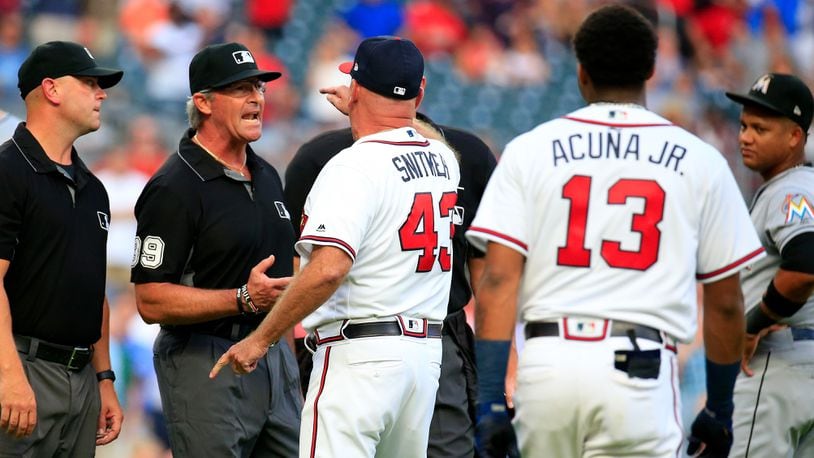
56 386
452 426
214 249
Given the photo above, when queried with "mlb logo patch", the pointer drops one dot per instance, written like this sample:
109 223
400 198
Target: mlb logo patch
399 90
104 220
281 210
243 57
89 54
585 328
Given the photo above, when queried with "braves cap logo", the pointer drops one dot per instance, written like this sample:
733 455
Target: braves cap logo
243 57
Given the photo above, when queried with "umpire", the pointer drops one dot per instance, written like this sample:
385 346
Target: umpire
774 402
452 427
214 248
56 386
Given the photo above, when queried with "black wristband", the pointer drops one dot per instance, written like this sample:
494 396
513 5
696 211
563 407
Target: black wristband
757 320
780 304
106 375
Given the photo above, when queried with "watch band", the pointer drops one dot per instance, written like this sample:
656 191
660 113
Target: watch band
106 375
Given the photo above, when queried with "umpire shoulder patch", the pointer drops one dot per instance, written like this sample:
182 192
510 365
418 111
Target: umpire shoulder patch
281 210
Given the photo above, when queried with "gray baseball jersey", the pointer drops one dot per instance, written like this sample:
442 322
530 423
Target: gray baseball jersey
782 209
774 409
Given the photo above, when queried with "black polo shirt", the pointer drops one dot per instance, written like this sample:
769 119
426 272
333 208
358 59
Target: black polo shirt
53 230
476 162
201 226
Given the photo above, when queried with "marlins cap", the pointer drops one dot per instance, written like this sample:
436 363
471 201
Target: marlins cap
56 59
389 66
783 94
220 65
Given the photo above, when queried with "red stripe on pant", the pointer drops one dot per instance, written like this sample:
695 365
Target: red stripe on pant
316 401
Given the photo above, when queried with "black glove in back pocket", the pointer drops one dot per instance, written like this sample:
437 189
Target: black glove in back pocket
638 363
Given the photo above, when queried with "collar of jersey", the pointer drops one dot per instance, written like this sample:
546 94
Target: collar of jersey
204 165
618 114
33 153
400 135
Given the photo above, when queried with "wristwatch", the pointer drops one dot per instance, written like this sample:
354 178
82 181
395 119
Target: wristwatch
106 375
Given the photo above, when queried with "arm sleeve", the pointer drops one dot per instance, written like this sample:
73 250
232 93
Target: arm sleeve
790 214
501 215
338 210
727 239
164 236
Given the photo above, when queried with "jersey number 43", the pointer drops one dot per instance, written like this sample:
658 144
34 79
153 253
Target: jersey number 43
578 191
418 233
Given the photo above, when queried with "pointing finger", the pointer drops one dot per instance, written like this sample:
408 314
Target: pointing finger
223 361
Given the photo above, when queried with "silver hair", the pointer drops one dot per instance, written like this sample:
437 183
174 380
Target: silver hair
193 113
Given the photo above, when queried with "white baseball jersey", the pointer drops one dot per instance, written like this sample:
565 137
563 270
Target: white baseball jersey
387 201
618 213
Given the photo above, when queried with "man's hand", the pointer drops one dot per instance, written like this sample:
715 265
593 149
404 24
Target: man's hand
243 356
715 434
339 96
750 345
18 406
110 416
263 289
494 434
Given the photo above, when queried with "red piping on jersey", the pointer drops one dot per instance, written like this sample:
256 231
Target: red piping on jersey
316 401
336 241
730 266
499 235
425 143
610 124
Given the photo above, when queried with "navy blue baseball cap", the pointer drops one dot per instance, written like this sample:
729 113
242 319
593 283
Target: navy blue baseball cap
56 59
783 94
220 65
389 66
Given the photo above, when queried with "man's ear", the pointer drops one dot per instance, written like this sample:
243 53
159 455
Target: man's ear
202 103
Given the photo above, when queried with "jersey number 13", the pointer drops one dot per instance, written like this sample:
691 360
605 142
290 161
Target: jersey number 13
418 233
576 254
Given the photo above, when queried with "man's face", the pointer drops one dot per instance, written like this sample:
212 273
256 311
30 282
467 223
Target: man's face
768 141
82 102
238 108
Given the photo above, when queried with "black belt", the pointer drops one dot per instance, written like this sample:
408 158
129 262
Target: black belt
375 329
74 358
618 329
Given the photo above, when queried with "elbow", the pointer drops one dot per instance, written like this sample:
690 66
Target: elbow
147 308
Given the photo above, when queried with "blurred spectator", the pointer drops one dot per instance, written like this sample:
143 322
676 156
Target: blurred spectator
269 15
373 18
166 51
8 124
123 185
523 62
333 48
210 15
434 27
478 57
53 20
13 51
145 150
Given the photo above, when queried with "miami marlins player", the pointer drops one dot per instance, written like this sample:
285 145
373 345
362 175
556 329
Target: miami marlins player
376 251
774 406
598 225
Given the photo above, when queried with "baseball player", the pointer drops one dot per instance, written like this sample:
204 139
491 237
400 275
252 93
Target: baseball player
375 270
452 427
774 406
596 227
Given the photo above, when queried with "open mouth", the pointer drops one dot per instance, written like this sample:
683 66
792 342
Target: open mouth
254 116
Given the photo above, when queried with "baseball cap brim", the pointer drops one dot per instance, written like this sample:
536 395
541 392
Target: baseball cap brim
253 73
745 99
107 77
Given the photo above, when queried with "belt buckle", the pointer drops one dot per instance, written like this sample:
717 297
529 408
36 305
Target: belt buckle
70 365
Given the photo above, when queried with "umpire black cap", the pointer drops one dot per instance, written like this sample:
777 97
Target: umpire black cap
783 94
220 65
61 58
389 66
